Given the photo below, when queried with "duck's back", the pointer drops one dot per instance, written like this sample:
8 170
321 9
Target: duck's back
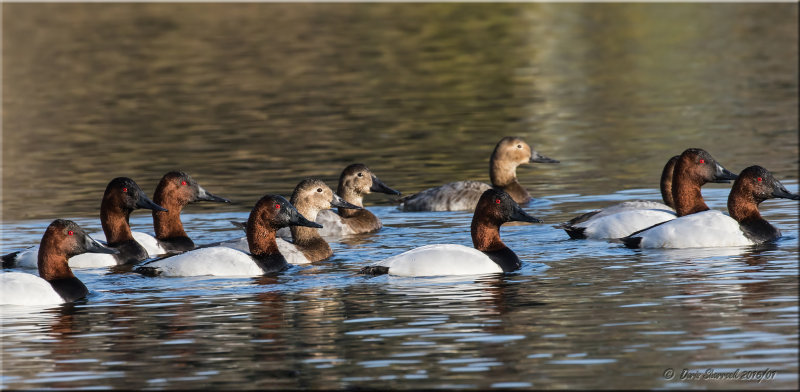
455 196
703 229
332 224
216 261
19 288
440 259
147 241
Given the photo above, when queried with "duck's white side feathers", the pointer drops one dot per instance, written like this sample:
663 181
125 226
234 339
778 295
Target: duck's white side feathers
19 288
332 224
703 229
216 261
624 223
440 259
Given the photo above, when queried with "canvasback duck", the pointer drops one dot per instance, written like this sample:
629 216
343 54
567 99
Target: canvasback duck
489 255
509 153
681 180
310 197
744 226
270 213
56 283
121 197
355 181
175 190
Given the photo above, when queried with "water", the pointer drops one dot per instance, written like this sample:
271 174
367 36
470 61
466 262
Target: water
252 98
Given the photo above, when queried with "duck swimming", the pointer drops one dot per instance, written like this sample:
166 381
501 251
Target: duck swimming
744 226
310 197
509 153
270 213
56 283
355 181
681 180
121 197
489 255
175 190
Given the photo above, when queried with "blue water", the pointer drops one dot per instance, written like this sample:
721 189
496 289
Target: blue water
578 313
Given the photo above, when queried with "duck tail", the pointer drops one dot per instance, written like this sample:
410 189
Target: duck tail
632 242
9 260
575 233
374 270
148 271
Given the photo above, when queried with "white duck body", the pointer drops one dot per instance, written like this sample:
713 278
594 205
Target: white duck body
19 288
703 229
625 218
440 259
215 261
332 225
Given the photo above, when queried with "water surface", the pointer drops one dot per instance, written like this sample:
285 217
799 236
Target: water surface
252 98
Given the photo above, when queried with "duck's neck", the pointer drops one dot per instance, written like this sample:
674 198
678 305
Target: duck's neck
687 197
303 234
352 197
666 185
115 223
168 223
53 266
743 206
486 235
261 240
502 173
504 176
517 192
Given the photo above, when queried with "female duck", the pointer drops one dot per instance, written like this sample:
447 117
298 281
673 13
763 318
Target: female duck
310 197
121 197
509 153
681 180
269 214
56 283
744 226
355 181
489 255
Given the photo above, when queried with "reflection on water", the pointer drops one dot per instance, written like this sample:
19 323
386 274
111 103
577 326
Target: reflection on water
250 98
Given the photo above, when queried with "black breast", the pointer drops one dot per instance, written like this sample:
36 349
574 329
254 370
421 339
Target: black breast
271 263
71 289
505 258
130 252
177 244
759 230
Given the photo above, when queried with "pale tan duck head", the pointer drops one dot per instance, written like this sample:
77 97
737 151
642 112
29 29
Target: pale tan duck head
358 180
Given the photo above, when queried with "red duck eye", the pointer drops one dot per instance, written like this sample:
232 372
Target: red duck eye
124 190
759 179
702 161
277 206
183 183
70 232
497 201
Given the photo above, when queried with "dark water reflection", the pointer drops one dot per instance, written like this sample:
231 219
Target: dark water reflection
250 98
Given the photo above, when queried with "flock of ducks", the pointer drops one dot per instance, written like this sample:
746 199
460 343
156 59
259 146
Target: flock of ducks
280 232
